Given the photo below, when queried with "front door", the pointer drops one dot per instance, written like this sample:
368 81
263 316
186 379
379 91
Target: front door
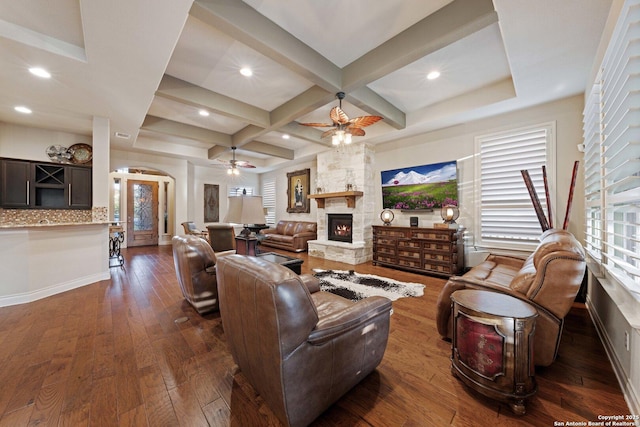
142 213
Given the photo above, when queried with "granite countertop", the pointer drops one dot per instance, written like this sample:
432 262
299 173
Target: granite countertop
9 225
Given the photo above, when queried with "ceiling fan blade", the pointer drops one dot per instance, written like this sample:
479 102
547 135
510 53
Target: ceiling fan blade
327 133
338 116
355 131
364 121
243 164
317 125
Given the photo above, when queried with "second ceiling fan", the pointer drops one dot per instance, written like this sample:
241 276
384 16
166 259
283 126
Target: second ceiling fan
344 127
233 164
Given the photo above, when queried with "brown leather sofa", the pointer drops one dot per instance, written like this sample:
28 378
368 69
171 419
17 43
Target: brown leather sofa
195 268
290 235
300 348
549 279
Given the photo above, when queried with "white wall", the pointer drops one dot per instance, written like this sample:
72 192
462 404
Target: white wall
28 143
280 176
457 143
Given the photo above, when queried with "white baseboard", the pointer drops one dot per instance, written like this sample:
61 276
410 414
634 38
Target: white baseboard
26 297
630 394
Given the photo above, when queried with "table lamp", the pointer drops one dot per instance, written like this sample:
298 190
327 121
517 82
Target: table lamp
245 210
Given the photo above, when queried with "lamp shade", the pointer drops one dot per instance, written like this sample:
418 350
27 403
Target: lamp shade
450 213
245 210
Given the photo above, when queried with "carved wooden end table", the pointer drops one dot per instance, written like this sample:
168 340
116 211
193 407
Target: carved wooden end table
492 346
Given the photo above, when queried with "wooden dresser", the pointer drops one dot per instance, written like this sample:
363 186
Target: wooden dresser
438 251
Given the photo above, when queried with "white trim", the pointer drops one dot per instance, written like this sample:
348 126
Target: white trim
26 297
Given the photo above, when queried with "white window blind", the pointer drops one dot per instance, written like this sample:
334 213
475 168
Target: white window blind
619 149
269 200
507 216
592 132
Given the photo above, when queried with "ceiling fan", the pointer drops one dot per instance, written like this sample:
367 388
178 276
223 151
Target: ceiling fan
343 126
233 164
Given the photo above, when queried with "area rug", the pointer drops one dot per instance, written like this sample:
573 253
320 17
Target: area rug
356 286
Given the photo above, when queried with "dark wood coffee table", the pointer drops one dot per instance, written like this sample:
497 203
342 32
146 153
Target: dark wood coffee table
294 264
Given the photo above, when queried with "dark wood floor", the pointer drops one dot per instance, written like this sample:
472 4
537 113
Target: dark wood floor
115 353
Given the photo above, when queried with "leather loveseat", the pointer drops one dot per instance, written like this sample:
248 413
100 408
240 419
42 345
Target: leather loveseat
549 279
300 348
290 235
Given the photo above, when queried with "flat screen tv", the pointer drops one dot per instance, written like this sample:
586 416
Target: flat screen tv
423 187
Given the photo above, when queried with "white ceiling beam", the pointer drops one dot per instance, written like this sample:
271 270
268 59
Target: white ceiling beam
246 25
216 151
268 149
170 127
187 93
453 22
243 23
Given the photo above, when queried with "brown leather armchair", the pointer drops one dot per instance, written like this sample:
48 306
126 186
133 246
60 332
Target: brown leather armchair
190 228
222 238
195 267
549 279
299 347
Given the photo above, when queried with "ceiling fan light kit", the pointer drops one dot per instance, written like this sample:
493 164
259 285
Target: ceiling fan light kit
233 164
344 128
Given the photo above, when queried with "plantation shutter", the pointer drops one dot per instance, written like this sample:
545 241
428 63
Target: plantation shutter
593 174
619 150
506 213
269 200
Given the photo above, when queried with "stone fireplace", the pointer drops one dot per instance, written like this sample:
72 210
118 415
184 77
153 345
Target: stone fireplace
340 227
340 171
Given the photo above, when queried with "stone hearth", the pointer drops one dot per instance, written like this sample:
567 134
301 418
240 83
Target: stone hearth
335 170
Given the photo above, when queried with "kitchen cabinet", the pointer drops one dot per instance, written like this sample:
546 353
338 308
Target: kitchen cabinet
29 185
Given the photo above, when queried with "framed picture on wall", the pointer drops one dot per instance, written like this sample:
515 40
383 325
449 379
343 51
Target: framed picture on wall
211 203
298 190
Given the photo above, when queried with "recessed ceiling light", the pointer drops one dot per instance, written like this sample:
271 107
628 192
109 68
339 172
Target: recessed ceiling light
203 113
22 109
40 72
433 75
285 136
246 71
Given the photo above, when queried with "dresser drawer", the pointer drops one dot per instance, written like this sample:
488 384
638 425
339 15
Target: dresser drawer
437 246
385 241
405 243
387 250
406 262
409 253
440 268
383 258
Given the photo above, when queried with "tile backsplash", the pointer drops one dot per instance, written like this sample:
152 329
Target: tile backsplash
35 216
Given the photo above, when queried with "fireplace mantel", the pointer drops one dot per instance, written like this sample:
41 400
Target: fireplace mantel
350 197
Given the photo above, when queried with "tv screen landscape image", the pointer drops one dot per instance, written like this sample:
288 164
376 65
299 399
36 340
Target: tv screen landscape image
420 187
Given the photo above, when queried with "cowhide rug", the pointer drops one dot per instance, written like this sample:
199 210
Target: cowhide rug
356 286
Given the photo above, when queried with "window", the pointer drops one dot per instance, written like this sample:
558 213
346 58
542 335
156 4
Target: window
116 199
239 191
507 216
612 155
269 200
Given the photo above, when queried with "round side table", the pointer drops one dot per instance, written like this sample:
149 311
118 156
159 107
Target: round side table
492 345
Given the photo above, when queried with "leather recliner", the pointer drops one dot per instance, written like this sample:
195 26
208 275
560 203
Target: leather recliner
195 268
222 238
549 279
300 348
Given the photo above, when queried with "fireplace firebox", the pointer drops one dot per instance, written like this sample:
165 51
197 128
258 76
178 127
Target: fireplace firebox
340 227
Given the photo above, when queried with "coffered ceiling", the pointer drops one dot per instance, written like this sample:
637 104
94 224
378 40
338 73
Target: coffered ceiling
152 65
